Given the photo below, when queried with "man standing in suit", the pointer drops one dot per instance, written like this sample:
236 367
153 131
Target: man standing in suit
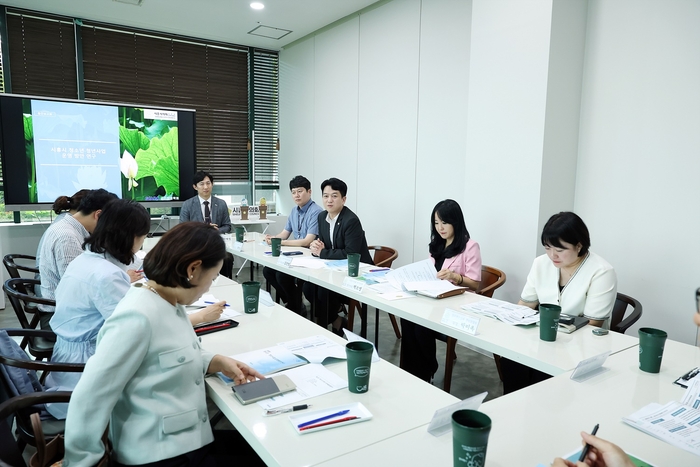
339 233
207 208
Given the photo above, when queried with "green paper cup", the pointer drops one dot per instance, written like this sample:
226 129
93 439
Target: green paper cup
276 246
470 437
353 264
359 363
549 321
251 295
651 349
240 234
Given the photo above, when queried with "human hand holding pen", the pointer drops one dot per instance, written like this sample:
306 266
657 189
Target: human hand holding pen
601 454
208 314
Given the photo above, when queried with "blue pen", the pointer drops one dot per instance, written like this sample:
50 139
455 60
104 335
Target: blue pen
211 303
311 422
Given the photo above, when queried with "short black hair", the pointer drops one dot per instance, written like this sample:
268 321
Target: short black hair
566 227
201 175
336 184
299 182
119 223
95 200
67 203
166 264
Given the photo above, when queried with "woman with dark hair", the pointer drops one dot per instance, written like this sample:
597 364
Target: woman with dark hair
146 377
568 275
457 258
63 206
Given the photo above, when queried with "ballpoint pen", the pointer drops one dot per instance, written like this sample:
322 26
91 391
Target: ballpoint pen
212 327
212 303
332 422
313 422
270 412
586 448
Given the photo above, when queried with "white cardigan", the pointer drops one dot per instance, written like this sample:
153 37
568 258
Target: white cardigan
591 292
147 379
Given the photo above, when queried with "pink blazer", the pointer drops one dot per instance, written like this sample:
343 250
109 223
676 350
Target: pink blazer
467 263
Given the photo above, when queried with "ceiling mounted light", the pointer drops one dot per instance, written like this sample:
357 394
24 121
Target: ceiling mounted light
257 6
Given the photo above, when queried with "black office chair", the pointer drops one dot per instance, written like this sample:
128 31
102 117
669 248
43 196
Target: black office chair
21 391
618 322
13 268
29 317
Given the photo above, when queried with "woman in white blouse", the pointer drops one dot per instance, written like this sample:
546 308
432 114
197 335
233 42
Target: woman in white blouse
568 275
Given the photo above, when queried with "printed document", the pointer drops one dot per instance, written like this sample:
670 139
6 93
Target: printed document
509 313
315 349
311 380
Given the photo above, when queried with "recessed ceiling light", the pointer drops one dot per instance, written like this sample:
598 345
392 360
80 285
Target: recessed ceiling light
257 6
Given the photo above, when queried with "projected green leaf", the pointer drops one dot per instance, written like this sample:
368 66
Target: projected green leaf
133 140
160 161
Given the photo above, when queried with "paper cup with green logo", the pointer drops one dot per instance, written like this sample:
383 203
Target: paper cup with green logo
359 363
549 321
276 246
353 264
240 234
251 295
651 349
470 437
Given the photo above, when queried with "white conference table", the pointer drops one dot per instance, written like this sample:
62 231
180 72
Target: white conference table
252 221
518 343
397 400
536 424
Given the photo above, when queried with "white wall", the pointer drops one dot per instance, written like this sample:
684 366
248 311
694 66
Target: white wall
519 110
639 154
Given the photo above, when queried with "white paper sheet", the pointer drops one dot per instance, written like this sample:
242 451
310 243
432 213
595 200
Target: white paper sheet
509 313
315 348
308 262
311 380
415 272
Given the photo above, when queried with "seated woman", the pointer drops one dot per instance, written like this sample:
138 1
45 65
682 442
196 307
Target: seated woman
568 275
146 378
93 285
457 258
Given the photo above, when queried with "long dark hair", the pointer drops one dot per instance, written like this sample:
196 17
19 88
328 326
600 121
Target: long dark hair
120 222
450 213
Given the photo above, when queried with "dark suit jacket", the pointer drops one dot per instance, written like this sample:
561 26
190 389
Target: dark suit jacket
192 211
348 237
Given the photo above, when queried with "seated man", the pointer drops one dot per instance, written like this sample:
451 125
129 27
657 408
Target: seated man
302 226
63 242
207 208
339 233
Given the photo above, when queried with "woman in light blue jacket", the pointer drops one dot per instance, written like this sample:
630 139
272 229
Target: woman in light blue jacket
146 378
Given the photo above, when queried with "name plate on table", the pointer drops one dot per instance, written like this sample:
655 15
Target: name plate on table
237 246
457 320
285 261
353 284
590 367
442 420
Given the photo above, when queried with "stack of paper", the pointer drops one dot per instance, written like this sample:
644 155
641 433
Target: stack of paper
676 422
433 289
504 311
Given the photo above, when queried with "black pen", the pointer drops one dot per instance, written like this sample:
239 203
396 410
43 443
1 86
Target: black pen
584 452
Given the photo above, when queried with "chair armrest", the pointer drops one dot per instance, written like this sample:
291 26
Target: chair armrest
14 404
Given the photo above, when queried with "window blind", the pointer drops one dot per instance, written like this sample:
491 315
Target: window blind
265 108
133 67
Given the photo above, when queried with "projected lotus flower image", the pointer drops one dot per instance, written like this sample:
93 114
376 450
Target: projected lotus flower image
90 178
129 169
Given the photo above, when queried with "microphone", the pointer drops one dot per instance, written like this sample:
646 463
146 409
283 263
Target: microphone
162 218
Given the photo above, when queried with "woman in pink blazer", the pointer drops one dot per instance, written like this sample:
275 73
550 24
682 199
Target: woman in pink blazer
457 258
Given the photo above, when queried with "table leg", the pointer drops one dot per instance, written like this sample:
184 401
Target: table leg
376 329
241 268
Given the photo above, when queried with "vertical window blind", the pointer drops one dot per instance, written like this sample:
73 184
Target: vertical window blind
265 110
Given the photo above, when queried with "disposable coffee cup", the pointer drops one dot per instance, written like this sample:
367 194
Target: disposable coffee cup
359 363
651 349
276 246
240 234
549 321
251 295
353 264
470 437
